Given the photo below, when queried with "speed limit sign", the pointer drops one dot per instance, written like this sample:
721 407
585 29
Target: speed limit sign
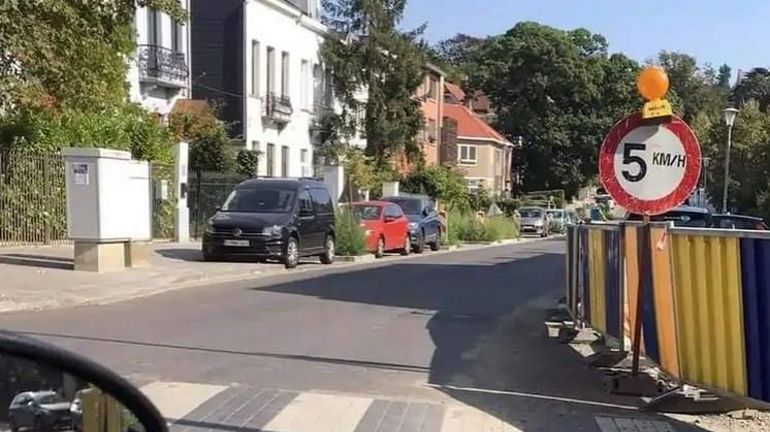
649 169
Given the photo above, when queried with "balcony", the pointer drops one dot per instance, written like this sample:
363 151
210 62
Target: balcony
162 66
277 109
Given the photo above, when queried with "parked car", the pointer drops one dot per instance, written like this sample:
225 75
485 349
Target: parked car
424 221
682 216
558 218
387 228
273 218
739 222
39 411
533 220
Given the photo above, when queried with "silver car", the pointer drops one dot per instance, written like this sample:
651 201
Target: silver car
533 220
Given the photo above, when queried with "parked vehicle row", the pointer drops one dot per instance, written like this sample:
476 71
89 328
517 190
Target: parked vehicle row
699 217
287 219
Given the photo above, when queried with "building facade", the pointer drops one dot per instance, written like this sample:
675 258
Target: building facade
484 156
258 61
160 74
431 95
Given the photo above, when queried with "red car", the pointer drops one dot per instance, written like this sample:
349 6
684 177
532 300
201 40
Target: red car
387 228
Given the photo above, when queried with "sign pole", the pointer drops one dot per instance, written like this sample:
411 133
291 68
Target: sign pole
643 252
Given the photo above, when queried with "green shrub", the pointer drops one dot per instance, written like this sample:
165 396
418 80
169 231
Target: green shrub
351 238
440 183
466 227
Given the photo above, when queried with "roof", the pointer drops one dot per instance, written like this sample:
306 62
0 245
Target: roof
738 217
471 126
282 182
406 197
455 91
371 203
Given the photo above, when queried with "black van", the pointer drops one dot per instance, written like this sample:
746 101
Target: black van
276 218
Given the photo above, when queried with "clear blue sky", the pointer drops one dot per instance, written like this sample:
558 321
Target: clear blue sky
729 31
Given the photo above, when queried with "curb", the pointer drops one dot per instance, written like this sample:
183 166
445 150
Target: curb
194 282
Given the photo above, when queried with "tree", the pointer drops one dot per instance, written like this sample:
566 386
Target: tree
456 54
693 89
210 148
749 188
68 53
723 79
754 86
559 91
367 52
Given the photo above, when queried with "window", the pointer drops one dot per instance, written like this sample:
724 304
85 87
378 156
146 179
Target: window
432 87
432 130
322 200
467 154
153 27
259 199
270 75
305 85
304 162
255 145
270 159
255 68
177 35
305 202
284 161
318 89
328 88
284 74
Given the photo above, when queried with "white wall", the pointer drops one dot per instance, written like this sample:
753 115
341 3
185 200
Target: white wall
273 23
157 99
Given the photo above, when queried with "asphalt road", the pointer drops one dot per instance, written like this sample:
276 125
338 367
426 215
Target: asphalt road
465 327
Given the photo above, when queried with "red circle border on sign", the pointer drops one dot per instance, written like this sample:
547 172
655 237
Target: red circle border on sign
661 205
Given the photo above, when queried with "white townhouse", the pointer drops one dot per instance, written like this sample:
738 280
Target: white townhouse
159 74
259 60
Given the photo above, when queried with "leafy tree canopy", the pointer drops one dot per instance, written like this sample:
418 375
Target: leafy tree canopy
367 51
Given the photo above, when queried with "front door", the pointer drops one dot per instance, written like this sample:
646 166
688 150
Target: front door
393 238
306 223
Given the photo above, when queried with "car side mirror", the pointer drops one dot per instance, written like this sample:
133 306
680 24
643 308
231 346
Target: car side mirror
426 211
64 377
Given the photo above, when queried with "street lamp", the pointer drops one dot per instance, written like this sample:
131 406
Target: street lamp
730 114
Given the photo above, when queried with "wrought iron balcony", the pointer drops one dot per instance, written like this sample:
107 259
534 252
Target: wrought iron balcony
163 66
277 108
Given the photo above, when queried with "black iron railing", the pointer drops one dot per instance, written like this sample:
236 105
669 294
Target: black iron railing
163 65
277 108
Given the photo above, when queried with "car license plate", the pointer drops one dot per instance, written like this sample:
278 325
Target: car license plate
237 243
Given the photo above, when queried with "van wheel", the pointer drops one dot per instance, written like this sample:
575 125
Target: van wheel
380 251
329 250
291 254
407 249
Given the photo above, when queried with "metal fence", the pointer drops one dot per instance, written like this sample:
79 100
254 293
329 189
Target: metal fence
33 206
208 190
163 199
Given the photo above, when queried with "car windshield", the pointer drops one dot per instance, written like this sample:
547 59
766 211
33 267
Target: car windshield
259 200
556 214
410 206
531 213
50 399
367 212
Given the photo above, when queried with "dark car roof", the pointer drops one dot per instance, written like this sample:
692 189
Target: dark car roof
407 197
738 217
673 211
286 183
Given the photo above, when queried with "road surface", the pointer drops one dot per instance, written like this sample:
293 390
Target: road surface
451 341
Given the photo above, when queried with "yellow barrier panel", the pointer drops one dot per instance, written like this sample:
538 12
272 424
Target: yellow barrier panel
709 318
596 279
664 301
632 281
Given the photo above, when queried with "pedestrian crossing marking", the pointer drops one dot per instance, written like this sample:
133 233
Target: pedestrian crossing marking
177 399
469 419
620 424
315 412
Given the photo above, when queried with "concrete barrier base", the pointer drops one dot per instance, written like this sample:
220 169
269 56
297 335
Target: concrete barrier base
629 384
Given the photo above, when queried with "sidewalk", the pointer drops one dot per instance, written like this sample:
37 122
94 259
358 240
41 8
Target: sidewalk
38 278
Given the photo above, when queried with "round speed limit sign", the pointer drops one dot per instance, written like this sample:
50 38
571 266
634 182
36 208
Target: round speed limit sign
649 169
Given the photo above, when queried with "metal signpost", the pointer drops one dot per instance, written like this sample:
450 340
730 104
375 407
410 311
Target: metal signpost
649 163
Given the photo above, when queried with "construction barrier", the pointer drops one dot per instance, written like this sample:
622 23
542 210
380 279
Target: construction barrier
595 280
705 302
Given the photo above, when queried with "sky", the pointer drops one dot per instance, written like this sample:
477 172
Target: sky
735 32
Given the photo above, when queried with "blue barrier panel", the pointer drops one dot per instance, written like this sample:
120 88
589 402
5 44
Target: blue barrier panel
614 284
755 275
